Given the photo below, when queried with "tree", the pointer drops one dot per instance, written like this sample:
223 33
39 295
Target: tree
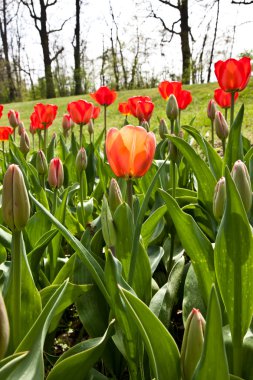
184 33
41 24
213 44
76 45
5 20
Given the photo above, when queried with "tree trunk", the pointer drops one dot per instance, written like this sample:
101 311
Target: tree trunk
115 63
185 45
77 70
213 44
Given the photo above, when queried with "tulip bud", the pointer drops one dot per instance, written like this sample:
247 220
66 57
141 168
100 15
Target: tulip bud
81 160
192 345
241 178
91 127
115 197
24 142
15 201
20 127
4 328
13 117
221 126
41 163
211 109
67 124
172 108
145 125
55 173
108 228
219 198
163 129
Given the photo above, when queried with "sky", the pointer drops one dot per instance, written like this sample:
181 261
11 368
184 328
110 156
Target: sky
96 23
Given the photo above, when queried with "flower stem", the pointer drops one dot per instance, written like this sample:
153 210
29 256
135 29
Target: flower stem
105 120
45 141
16 273
82 196
224 146
130 193
81 135
232 108
212 131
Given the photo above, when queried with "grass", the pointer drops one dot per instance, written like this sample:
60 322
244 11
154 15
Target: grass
201 94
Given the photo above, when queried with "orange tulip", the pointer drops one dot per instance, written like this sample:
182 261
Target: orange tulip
124 108
46 114
232 74
5 132
1 110
104 96
130 150
80 111
223 99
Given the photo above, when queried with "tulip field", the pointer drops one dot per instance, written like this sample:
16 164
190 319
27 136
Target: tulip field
127 251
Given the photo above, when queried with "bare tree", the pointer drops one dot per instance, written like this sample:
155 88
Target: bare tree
244 2
76 45
184 32
6 18
213 44
41 24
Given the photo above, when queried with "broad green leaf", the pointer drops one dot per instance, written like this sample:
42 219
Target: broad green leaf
233 257
78 360
195 243
150 225
31 365
5 237
205 178
214 349
34 233
155 254
234 148
161 348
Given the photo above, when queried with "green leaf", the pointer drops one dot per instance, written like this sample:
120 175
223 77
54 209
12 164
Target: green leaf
214 348
233 256
205 178
195 243
78 360
150 225
165 362
234 148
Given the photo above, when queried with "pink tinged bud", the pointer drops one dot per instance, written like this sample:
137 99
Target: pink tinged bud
15 201
221 126
81 160
242 181
4 328
192 344
41 163
172 108
219 198
55 173
163 129
115 197
211 109
24 142
13 117
21 127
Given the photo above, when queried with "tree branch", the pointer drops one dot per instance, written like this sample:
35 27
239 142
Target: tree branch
56 55
241 2
170 30
62 25
167 2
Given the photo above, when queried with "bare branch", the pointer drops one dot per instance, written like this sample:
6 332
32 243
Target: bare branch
32 13
167 2
48 4
61 27
57 53
170 30
242 2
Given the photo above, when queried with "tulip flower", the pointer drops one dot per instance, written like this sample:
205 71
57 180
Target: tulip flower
95 113
144 110
184 98
132 102
104 96
125 110
5 133
81 112
55 173
46 114
167 88
1 110
130 151
223 99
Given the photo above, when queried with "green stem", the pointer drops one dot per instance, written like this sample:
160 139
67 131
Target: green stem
4 158
16 296
212 131
232 108
105 120
172 126
54 205
130 193
172 244
81 135
82 196
173 175
45 141
226 114
223 146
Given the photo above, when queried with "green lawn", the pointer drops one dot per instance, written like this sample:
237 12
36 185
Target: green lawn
201 94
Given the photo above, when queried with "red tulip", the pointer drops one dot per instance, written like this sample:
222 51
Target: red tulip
167 88
124 108
132 103
104 96
35 123
5 132
223 99
13 117
144 110
96 112
1 110
130 150
184 99
46 114
55 173
80 111
233 75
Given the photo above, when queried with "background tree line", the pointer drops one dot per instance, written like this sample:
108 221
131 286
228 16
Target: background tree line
124 60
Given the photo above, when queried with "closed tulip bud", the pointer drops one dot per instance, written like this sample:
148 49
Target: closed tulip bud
15 201
192 345
20 127
172 108
145 125
24 143
4 328
13 117
219 198
108 228
41 163
221 126
211 109
55 173
115 197
91 127
163 129
241 178
81 160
